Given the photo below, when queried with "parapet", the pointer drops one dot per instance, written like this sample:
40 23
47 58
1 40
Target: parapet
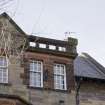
52 46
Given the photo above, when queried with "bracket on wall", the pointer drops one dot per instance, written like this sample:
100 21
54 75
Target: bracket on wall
45 76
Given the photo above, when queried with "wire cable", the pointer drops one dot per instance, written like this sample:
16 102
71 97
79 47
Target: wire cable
6 4
39 17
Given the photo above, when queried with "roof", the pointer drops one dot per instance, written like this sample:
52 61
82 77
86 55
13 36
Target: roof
12 22
86 66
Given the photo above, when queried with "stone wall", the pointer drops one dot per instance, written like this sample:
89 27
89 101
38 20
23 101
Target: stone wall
92 93
48 97
48 63
7 101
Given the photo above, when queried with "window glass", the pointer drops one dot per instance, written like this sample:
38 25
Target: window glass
36 74
62 49
41 45
3 70
32 44
52 47
59 76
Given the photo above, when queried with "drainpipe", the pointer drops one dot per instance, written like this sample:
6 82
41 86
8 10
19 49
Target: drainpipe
78 85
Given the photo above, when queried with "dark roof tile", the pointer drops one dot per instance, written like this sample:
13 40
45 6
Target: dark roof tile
86 66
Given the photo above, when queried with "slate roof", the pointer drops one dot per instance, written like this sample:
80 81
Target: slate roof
86 66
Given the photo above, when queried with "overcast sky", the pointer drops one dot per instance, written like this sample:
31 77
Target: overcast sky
52 18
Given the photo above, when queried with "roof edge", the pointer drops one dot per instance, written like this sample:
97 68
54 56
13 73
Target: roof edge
4 14
97 64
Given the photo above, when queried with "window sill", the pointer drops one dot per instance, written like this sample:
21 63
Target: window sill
62 91
32 87
5 84
55 90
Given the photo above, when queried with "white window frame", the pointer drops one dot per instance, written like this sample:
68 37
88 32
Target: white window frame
42 45
57 76
32 44
33 71
4 67
62 49
52 47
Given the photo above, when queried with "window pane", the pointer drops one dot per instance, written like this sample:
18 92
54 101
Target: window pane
59 77
36 74
62 69
5 62
62 86
57 86
41 45
62 49
39 66
56 69
3 75
3 70
62 79
32 44
52 47
4 80
33 66
35 79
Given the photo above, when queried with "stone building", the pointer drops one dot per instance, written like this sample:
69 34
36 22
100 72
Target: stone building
90 76
43 75
46 73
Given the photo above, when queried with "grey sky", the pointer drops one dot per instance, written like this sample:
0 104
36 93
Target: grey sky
52 18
